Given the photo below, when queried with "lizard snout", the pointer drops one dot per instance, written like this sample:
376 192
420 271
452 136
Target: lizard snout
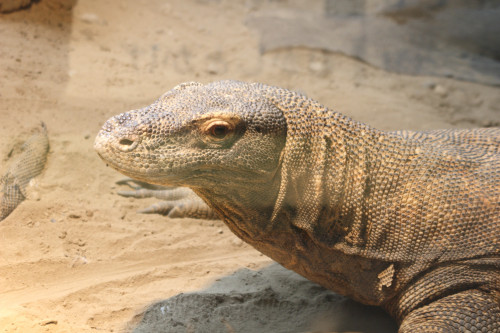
114 135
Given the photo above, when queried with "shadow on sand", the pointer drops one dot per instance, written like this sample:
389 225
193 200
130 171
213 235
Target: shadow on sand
272 299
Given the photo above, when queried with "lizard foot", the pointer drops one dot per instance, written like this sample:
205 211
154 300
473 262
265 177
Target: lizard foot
177 202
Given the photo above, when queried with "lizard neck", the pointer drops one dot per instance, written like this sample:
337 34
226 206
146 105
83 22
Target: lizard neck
325 169
246 208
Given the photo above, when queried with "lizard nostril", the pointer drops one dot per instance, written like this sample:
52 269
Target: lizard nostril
127 144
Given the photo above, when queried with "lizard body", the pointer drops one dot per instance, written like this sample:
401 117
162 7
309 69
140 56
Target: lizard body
409 221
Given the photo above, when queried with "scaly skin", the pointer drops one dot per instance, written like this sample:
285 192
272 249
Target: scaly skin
405 220
28 164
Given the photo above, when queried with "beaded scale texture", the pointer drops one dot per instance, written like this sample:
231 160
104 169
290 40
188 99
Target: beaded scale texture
26 165
409 221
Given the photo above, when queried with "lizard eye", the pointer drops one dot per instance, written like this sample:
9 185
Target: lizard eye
219 130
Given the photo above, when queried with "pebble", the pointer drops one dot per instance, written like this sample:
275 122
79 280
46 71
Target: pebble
441 90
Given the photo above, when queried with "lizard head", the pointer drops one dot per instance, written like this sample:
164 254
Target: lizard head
198 136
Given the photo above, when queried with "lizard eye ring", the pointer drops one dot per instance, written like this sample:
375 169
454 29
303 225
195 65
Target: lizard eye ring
219 129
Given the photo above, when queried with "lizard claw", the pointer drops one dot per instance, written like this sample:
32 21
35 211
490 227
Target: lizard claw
137 184
138 193
162 208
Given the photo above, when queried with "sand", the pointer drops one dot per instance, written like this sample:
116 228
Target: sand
76 257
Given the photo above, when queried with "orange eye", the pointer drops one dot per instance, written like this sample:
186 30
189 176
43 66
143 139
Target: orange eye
219 130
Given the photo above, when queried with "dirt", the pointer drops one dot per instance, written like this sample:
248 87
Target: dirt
76 257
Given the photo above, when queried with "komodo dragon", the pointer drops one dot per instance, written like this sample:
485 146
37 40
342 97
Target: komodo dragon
409 221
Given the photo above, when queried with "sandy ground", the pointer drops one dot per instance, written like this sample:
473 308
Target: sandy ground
75 257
